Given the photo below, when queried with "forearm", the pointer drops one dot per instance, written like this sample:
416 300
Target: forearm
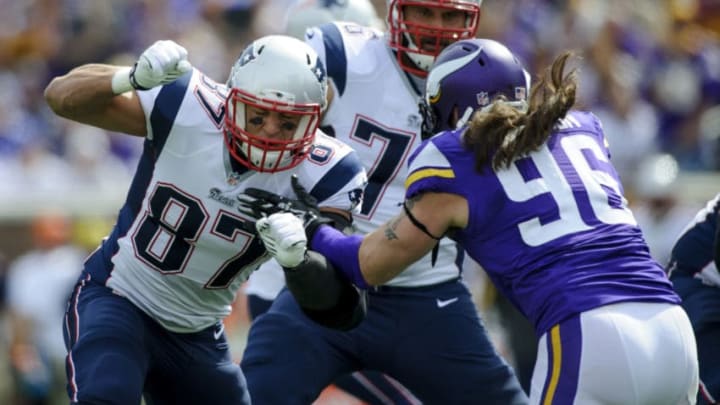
386 252
374 259
83 90
342 251
382 259
324 295
86 95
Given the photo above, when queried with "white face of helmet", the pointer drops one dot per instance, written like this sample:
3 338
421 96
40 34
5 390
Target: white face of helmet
309 13
404 34
279 74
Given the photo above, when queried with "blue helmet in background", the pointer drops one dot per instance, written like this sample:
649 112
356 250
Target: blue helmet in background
470 74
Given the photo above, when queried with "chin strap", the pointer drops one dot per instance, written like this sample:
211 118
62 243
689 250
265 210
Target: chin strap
465 118
419 225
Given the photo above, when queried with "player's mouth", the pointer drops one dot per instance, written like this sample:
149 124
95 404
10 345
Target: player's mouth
432 45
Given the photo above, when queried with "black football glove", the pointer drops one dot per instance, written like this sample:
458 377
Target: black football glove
429 125
258 203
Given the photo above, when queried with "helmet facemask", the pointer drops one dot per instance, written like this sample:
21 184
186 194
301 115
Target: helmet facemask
266 154
282 76
412 38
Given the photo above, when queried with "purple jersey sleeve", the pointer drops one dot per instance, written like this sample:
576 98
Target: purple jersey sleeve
553 230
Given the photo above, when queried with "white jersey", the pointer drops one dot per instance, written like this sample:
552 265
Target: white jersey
375 111
181 249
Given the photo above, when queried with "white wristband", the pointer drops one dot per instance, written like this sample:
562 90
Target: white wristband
121 81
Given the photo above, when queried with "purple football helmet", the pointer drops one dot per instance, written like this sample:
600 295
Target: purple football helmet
471 74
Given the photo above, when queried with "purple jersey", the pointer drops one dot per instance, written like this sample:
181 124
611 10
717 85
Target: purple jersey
553 230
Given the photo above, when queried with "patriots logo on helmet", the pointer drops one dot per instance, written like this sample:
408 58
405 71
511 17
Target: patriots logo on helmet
247 55
319 70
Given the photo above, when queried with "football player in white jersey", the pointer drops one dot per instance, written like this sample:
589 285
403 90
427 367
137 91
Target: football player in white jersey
304 14
145 318
263 286
422 327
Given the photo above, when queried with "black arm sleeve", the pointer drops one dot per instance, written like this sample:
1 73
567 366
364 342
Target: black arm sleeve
325 295
338 221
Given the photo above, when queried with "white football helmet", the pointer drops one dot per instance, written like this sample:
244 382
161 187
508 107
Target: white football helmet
404 35
309 13
276 73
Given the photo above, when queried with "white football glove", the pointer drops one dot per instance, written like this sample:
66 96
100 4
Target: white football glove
284 236
161 63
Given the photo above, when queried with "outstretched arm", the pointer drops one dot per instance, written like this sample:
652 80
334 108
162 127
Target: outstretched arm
384 253
104 96
371 260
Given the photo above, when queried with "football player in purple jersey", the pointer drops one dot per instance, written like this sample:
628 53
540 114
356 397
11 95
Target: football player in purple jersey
693 270
376 81
523 182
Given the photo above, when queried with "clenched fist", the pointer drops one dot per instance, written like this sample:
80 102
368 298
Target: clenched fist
161 63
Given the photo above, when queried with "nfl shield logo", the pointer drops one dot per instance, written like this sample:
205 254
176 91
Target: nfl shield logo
233 179
483 98
520 94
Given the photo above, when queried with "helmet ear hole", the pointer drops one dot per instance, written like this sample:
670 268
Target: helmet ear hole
453 117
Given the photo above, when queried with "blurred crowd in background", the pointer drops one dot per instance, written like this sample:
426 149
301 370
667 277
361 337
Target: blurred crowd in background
650 69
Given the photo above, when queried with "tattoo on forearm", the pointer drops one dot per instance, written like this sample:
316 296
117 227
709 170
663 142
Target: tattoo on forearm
391 227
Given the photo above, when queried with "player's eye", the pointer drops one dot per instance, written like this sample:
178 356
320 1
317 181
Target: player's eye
289 126
454 17
257 121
